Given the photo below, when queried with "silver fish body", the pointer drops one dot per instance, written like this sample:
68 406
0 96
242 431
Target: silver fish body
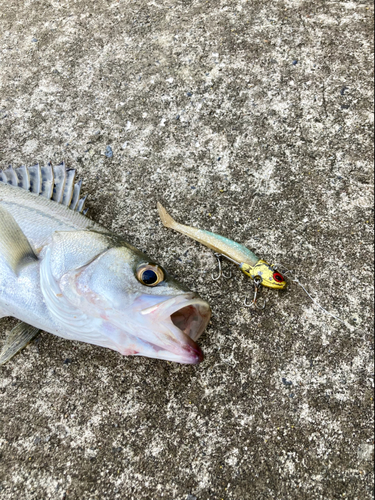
62 273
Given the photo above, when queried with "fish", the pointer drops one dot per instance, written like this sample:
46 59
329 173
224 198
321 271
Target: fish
254 267
62 273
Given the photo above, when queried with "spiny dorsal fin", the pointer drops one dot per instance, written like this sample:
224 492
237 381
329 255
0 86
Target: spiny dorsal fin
76 193
59 173
35 179
48 181
23 177
52 182
69 187
81 204
11 176
18 338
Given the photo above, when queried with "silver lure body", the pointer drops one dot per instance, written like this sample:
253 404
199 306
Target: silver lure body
80 283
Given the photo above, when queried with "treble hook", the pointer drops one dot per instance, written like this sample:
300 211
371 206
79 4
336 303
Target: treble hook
221 272
255 301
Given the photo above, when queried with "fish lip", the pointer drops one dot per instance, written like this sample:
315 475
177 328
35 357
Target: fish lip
189 355
183 318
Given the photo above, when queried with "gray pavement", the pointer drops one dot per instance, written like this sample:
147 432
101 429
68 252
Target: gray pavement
253 119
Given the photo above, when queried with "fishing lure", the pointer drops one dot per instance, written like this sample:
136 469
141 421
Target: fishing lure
262 273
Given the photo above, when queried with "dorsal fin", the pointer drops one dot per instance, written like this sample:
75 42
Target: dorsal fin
35 179
59 173
48 181
11 176
52 182
76 193
81 204
23 177
69 187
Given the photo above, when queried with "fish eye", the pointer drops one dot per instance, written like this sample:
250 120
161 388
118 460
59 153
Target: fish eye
278 277
150 274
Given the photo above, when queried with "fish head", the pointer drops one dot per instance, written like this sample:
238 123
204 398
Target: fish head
266 274
140 309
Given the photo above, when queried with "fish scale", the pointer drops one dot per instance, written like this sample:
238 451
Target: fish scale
62 273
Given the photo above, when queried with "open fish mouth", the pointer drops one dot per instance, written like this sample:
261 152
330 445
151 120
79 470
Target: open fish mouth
180 322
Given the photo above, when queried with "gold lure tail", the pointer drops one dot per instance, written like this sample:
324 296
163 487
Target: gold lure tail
166 219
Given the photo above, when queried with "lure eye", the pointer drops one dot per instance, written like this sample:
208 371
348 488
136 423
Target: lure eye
150 274
278 277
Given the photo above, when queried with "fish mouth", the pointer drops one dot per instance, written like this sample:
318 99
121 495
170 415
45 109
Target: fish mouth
180 322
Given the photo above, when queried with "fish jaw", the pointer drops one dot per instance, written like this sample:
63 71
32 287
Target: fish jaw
155 326
158 328
177 324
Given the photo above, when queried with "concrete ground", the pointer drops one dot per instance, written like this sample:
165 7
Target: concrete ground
253 119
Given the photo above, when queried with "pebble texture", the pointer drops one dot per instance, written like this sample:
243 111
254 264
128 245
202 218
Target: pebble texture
252 119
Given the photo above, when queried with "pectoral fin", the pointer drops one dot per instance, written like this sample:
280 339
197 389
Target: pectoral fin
14 246
18 338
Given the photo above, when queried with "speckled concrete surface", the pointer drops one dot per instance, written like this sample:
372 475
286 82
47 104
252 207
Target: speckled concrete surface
250 118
